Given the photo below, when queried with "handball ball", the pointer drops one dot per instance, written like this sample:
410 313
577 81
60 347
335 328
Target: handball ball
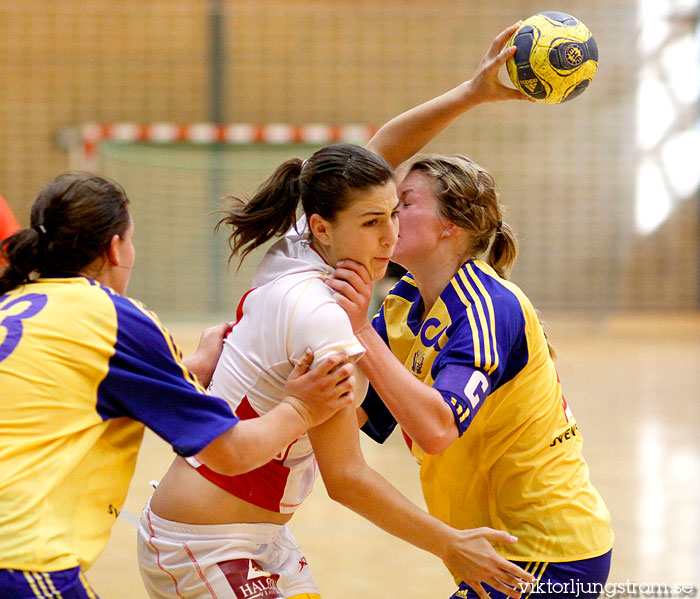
556 57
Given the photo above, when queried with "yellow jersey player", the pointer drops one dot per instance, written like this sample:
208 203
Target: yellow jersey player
459 359
82 370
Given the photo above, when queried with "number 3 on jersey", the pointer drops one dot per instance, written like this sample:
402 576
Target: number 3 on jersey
11 326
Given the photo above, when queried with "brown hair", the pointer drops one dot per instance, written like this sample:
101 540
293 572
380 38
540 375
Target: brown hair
73 220
467 196
325 184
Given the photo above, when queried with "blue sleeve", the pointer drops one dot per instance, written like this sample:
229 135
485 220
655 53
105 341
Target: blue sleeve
464 388
380 423
465 381
465 373
148 382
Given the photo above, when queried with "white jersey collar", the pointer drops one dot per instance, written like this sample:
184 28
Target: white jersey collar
293 254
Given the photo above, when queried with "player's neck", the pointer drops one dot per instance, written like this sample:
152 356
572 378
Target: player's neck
432 279
323 251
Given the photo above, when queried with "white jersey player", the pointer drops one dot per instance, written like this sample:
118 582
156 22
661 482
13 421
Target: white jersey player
288 309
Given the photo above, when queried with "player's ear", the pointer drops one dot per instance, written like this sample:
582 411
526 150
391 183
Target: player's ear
449 229
320 229
114 250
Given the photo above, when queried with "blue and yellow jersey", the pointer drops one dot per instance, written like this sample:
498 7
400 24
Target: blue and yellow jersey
517 464
82 369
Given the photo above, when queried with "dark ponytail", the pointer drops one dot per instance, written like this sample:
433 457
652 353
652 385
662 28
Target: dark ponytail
73 220
269 212
20 251
324 183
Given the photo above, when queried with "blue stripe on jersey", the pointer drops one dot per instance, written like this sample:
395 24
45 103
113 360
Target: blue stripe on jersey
486 332
379 325
481 335
380 423
406 289
148 382
63 584
489 310
499 320
580 579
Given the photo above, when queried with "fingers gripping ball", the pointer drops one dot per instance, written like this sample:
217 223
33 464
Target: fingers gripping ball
556 57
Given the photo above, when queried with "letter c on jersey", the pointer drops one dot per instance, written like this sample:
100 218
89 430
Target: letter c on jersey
432 340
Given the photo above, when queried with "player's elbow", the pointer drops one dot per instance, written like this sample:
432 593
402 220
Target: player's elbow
225 463
342 486
437 440
225 455
339 493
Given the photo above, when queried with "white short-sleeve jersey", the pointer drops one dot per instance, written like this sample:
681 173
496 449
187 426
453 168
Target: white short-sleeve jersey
288 310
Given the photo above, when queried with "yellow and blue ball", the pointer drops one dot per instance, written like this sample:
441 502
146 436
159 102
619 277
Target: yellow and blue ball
556 57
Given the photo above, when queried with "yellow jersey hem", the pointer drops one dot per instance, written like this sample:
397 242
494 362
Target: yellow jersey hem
40 567
556 560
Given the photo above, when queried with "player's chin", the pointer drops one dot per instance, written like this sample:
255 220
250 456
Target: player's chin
379 266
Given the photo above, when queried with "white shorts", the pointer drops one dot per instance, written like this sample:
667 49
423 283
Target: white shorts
220 561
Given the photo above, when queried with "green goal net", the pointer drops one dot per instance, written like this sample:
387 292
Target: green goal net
176 190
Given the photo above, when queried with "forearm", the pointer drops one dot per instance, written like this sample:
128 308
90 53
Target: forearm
198 366
351 482
368 494
252 443
404 135
203 361
418 408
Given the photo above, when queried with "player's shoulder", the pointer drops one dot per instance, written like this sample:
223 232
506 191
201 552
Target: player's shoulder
402 295
476 285
405 288
296 299
77 296
127 307
299 289
488 306
134 320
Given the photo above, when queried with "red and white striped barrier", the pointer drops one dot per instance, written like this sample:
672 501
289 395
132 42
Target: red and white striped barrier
89 136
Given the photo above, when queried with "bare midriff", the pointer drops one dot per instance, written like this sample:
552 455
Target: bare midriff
186 496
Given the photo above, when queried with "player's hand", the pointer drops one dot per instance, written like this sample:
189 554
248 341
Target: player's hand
485 84
321 391
471 557
353 291
204 360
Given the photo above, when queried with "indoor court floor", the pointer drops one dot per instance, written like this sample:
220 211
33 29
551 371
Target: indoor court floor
633 383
